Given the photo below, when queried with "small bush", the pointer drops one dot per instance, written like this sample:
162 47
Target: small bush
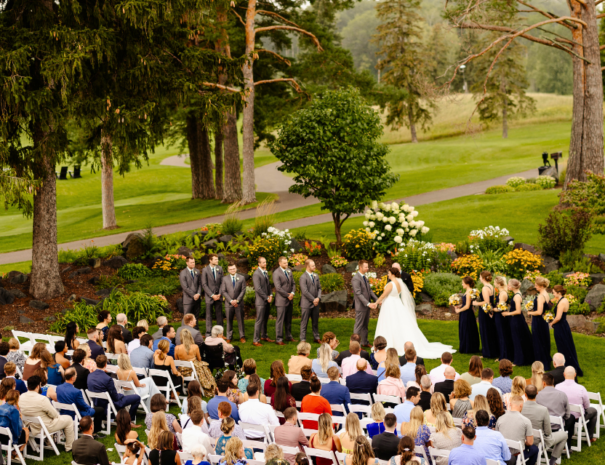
578 279
578 292
493 261
313 248
521 261
169 265
562 176
83 314
468 265
576 307
134 271
264 246
546 182
489 238
379 260
156 285
515 181
416 256
331 282
565 231
530 181
555 278
463 247
265 217
358 244
499 189
107 282
440 286
297 259
137 306
528 187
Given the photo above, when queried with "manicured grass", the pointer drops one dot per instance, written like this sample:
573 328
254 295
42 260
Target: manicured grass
24 267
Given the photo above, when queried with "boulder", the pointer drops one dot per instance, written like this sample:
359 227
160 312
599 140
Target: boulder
179 305
597 278
66 269
294 244
602 257
71 298
529 248
221 256
38 304
16 277
136 248
92 302
210 245
17 293
550 264
526 285
84 270
116 262
243 262
580 322
105 292
424 309
226 238
94 280
351 267
328 269
94 262
447 315
50 318
186 251
129 239
425 297
6 298
25 320
334 301
595 296
551 171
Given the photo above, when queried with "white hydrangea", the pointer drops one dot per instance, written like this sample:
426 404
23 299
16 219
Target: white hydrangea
368 214
379 216
387 207
399 231
385 219
420 223
365 223
368 230
388 227
374 204
395 206
379 238
398 239
371 224
413 232
372 217
415 213
412 208
410 217
424 230
405 208
404 224
381 205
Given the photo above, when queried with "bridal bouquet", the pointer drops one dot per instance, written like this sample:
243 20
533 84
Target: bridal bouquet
455 299
502 307
475 294
529 305
487 308
548 316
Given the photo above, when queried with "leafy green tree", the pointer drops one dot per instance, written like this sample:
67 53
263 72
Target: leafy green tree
357 37
332 149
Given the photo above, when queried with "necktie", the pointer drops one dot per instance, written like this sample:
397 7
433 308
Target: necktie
214 272
233 279
313 279
192 274
266 275
287 276
366 280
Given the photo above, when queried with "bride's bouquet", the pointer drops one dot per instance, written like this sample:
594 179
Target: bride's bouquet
455 299
502 307
475 294
487 308
548 316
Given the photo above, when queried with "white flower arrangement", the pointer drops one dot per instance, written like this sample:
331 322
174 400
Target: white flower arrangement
490 231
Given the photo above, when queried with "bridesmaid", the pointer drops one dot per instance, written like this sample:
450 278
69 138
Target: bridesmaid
467 323
487 326
524 350
563 337
540 332
505 340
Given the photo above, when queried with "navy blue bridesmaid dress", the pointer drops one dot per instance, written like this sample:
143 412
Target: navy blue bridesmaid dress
522 341
505 340
467 330
540 334
564 341
489 336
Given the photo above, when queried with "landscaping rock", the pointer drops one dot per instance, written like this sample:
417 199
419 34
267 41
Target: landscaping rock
328 269
50 318
595 296
597 278
72 297
424 309
226 238
526 285
24 319
129 239
425 297
136 247
552 171
299 268
105 292
116 262
447 315
529 248
94 280
179 305
602 257
334 301
221 256
186 251
351 266
210 245
16 277
294 244
84 270
94 262
508 239
581 322
550 264
18 294
38 304
243 262
92 302
65 270
6 298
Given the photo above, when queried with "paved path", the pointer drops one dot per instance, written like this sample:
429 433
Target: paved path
269 179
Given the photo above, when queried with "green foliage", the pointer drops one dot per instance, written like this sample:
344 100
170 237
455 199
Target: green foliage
529 187
546 182
463 247
137 306
264 246
489 239
555 278
562 176
312 248
250 297
574 260
83 314
416 256
440 286
333 251
578 308
578 292
232 224
156 285
108 282
134 271
265 217
379 260
498 190
358 245
170 265
515 181
493 261
565 231
590 196
81 256
340 131
331 282
443 262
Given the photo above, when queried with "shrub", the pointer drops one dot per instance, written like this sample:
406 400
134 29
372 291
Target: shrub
379 260
578 292
468 265
574 260
263 246
265 217
331 282
490 238
297 259
499 189
107 282
445 247
555 278
463 247
169 265
332 250
546 182
440 286
530 180
528 187
231 224
493 261
157 285
416 256
443 262
565 231
532 275
137 306
358 245
313 248
515 181
338 262
576 306
521 261
418 281
562 176
578 279
378 284
83 314
134 271
250 297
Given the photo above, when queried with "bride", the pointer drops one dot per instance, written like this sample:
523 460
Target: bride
397 320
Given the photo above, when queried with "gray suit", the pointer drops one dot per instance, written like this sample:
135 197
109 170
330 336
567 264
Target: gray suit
363 295
540 419
212 286
191 285
237 292
284 286
310 289
262 289
197 336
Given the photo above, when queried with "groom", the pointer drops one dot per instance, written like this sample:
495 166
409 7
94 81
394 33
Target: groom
363 296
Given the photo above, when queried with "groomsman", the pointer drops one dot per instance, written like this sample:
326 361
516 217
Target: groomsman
285 288
212 277
191 283
262 288
233 290
310 295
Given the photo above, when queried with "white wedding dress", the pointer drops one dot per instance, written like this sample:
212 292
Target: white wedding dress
397 324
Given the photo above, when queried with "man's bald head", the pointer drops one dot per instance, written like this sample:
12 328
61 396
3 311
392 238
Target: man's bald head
558 360
569 373
397 266
408 345
450 373
362 364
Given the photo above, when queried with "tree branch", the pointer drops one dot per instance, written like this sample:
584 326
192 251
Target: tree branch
537 10
220 86
602 15
271 13
239 17
290 28
598 2
276 55
291 81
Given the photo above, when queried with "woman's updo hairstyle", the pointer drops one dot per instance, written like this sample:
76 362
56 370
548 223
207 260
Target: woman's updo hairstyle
500 281
487 276
542 282
395 272
514 283
468 281
560 289
315 384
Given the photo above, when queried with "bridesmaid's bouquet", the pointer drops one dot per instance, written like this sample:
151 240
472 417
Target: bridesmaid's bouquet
487 308
455 299
529 305
502 307
475 294
548 316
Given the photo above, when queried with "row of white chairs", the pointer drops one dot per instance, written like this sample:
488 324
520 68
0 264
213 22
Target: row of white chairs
34 338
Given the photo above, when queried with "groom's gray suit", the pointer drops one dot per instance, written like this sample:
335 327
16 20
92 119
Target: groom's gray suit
363 296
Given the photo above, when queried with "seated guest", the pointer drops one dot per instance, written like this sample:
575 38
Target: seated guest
9 371
334 392
71 334
403 361
446 387
254 379
88 363
104 318
352 431
300 390
199 454
222 387
235 454
276 372
6 385
137 333
189 323
193 434
378 414
475 367
558 361
115 340
34 361
85 449
489 442
274 455
349 364
408 371
425 394
300 360
163 361
321 364
517 389
324 439
124 430
68 394
362 382
249 369
392 385
145 386
515 426
215 428
466 454
578 395
362 453
504 382
167 420
540 419
419 372
386 444
10 417
330 338
405 453
164 452
232 353
487 379
227 429
82 373
54 370
194 389
14 353
446 435
122 324
94 342
314 403
537 370
133 454
494 400
290 434
231 376
142 356
255 412
168 334
438 405
402 411
195 403
460 402
391 359
438 374
379 354
480 403
32 404
557 404
417 430
100 381
282 399
4 350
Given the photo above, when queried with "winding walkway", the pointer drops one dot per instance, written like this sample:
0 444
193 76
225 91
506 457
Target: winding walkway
269 179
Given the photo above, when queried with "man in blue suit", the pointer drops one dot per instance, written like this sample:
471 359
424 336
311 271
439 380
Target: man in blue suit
99 381
362 382
95 343
334 392
68 394
9 370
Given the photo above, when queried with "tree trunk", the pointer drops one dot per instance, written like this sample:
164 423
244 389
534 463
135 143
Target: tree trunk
337 224
412 123
504 118
205 159
194 158
218 163
109 211
232 191
249 194
586 144
45 279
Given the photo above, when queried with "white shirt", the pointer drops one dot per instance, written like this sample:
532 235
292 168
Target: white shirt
193 436
437 375
255 412
481 388
134 344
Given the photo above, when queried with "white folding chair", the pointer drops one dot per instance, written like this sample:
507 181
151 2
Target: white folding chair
42 437
307 416
581 431
600 411
111 369
558 421
324 380
169 387
255 462
492 462
270 432
363 397
193 376
458 422
140 371
255 445
539 438
128 388
252 427
517 445
290 450
366 410
179 436
72 408
434 453
308 432
294 378
25 346
121 450
215 459
325 454
111 408
185 456
10 447
338 408
389 399
298 404
341 456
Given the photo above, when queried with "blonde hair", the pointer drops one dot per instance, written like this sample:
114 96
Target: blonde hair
444 423
303 348
462 389
144 324
353 426
13 343
438 404
124 362
158 426
187 340
378 412
325 356
480 403
392 357
232 450
273 451
537 370
84 347
518 387
542 282
324 427
164 347
392 371
362 451
514 283
500 281
416 421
